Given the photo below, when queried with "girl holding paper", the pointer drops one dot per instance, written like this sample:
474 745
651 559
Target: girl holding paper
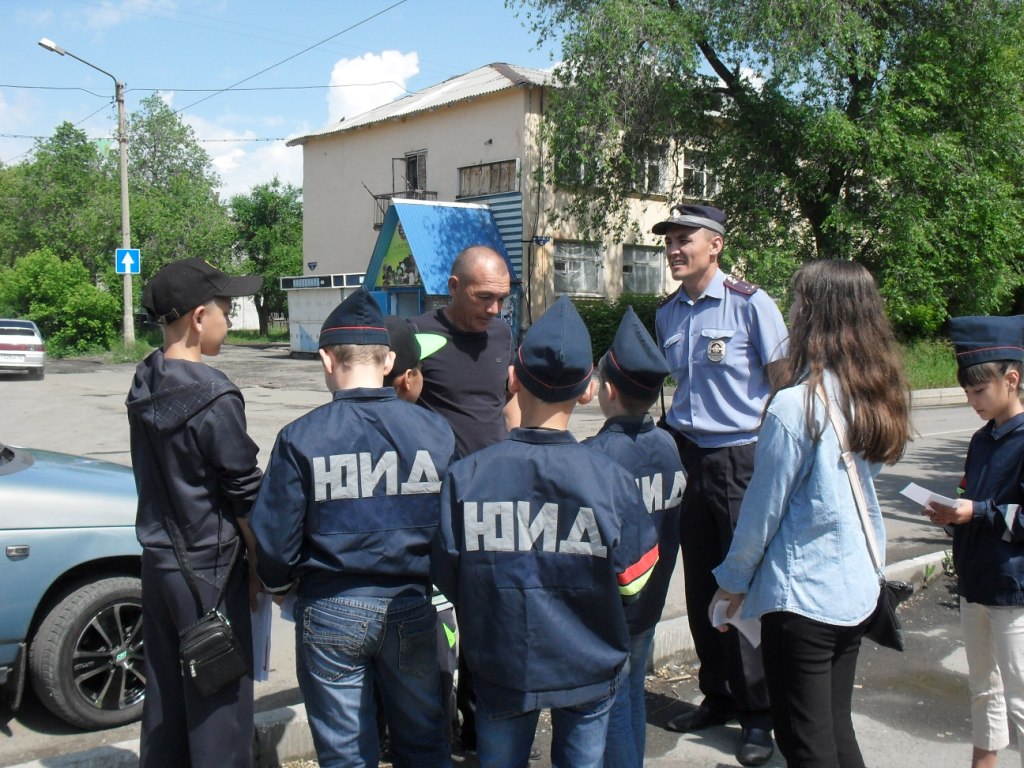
799 559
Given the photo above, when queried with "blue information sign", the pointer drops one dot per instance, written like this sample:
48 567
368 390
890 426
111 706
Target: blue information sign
127 260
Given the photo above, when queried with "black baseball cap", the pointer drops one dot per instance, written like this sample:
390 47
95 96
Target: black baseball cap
181 286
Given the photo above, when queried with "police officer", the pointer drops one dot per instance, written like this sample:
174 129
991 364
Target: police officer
719 336
347 510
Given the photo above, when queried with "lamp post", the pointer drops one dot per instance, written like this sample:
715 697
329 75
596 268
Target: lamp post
122 139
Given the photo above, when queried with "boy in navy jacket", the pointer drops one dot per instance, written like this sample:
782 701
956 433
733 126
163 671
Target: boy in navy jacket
632 373
346 514
541 541
988 529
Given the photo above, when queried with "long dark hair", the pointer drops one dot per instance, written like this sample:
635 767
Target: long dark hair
837 322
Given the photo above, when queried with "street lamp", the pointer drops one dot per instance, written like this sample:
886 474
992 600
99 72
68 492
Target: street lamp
122 139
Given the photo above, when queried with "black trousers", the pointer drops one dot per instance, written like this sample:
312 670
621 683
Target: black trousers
180 728
731 675
810 668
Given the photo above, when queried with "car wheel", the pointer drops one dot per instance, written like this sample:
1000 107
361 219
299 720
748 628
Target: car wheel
86 660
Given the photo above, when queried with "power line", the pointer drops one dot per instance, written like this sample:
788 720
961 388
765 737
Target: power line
295 55
212 90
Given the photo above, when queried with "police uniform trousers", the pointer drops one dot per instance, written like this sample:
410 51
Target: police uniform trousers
181 728
731 675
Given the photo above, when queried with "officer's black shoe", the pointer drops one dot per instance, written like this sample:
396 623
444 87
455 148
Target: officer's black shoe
755 746
698 719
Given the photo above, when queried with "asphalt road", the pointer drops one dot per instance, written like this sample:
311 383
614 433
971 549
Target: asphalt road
79 408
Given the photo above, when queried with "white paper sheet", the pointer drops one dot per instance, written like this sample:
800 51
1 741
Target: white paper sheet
922 496
749 628
261 638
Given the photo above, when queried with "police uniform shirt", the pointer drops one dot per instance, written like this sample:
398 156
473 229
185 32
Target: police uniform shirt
717 347
541 540
349 502
650 455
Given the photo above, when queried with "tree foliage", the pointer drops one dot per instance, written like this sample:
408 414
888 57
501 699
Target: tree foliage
73 315
886 132
268 240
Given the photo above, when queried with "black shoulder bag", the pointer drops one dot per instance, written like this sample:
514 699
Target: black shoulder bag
883 625
211 655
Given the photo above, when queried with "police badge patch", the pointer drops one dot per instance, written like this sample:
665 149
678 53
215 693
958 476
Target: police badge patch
716 350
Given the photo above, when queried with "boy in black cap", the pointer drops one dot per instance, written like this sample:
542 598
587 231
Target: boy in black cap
632 373
541 541
410 350
346 514
988 529
195 466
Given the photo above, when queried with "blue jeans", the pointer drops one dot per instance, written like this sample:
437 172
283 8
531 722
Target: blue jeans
343 645
627 725
578 735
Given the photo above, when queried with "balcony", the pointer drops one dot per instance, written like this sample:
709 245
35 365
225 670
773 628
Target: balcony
381 203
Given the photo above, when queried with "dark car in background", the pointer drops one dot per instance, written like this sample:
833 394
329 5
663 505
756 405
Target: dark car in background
22 348
71 596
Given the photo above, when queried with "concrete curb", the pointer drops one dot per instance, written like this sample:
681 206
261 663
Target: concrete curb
927 398
282 735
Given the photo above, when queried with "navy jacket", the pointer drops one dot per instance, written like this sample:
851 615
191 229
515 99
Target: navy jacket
650 455
192 459
349 503
988 551
541 539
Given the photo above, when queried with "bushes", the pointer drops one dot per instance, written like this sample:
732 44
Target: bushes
74 316
602 317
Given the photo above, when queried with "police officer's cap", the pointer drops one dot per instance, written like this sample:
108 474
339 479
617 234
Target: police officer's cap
357 320
555 360
633 363
986 339
692 216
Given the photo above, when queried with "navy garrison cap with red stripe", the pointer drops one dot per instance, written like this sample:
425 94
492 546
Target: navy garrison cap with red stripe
357 320
633 363
555 360
986 339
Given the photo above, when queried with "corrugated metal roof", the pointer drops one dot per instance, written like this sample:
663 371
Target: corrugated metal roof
488 79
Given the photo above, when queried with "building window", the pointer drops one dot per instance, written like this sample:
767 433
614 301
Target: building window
698 181
649 171
577 268
489 178
415 171
643 269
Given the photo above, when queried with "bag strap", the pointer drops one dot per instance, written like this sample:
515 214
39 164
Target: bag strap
854 477
178 541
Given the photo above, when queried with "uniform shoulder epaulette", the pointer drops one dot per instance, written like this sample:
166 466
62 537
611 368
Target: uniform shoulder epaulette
741 286
669 298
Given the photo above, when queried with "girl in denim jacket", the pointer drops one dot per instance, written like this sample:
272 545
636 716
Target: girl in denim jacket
799 560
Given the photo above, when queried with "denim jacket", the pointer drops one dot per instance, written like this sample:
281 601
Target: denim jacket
799 545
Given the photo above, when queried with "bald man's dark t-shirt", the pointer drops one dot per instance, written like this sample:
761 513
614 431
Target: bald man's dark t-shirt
466 380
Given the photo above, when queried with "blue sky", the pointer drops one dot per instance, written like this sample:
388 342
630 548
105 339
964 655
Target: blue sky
187 49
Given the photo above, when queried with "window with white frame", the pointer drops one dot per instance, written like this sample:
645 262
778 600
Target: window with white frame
577 268
489 178
649 171
698 181
643 269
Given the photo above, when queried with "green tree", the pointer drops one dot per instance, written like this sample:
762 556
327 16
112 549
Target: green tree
63 199
175 212
268 240
885 132
73 315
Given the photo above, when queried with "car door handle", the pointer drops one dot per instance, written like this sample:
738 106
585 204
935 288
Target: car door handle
17 551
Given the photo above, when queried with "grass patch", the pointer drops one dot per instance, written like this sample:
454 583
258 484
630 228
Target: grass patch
930 364
276 336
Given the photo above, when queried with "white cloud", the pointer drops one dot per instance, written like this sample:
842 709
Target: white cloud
243 164
111 14
372 80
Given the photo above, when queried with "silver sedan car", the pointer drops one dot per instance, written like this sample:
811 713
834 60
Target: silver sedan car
22 348
71 596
